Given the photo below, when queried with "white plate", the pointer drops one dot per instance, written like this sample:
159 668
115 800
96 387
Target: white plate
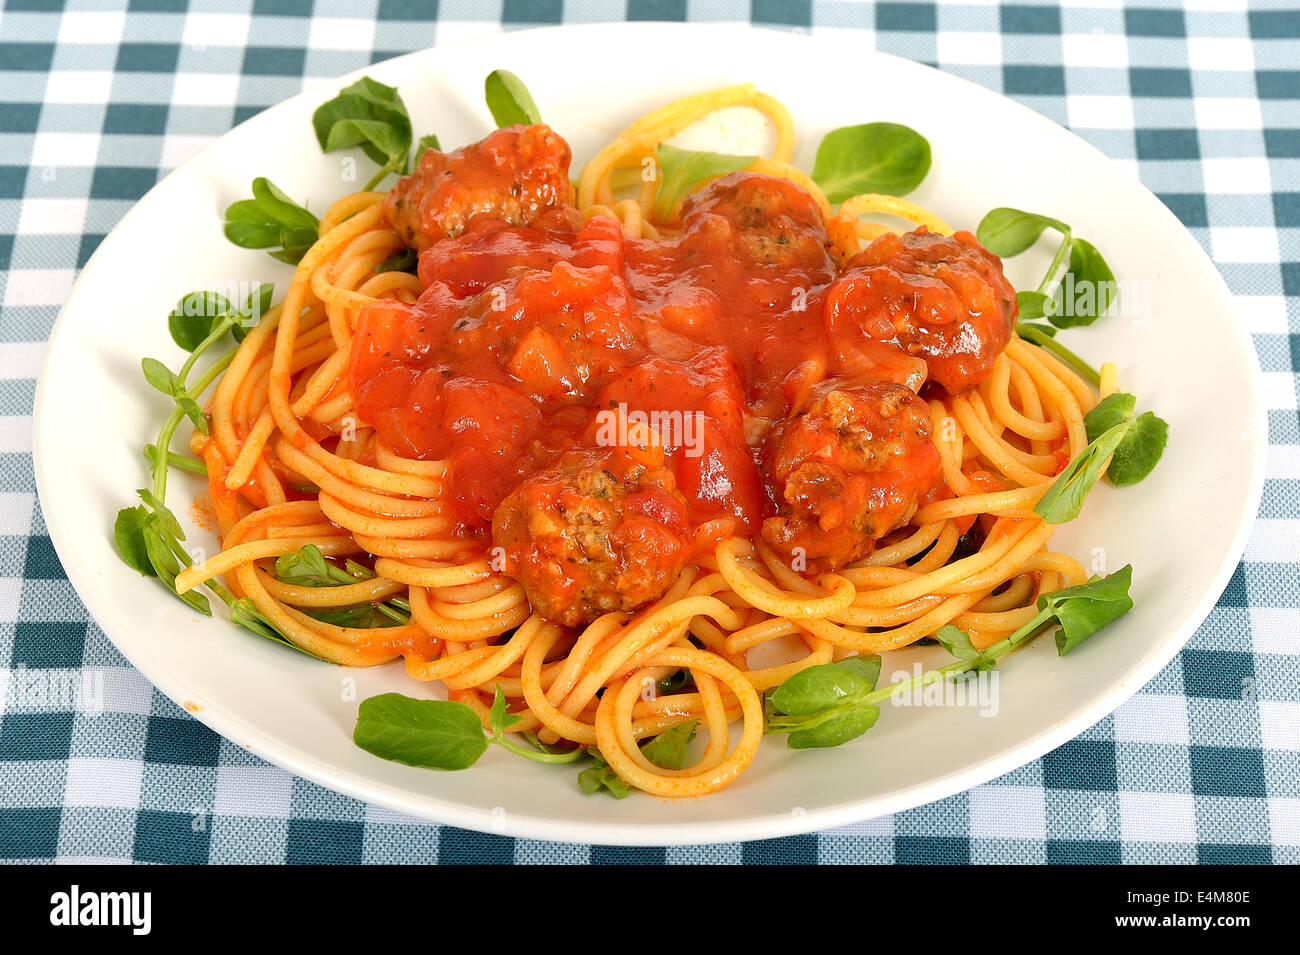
1183 529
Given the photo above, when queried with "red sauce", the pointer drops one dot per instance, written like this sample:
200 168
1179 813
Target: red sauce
529 328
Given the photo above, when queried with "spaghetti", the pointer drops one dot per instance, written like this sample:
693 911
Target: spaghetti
292 464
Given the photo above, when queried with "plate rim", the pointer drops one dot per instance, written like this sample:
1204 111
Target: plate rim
430 806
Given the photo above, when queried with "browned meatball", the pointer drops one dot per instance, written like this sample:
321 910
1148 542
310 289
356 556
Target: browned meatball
592 534
775 222
515 175
848 468
940 298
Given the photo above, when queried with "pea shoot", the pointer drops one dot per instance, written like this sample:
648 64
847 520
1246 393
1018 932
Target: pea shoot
832 703
442 734
148 536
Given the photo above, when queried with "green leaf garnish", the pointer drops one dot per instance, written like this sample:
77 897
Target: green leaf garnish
195 316
832 710
441 734
271 220
424 144
683 168
509 101
159 376
436 734
128 534
874 157
1084 609
1092 283
404 261
598 777
1134 444
825 685
369 115
668 749
307 567
1007 232
1064 499
846 724
957 642
498 718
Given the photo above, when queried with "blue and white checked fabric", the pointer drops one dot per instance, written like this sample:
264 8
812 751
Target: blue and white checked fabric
1200 98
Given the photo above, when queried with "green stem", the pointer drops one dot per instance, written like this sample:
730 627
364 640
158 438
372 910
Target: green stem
179 461
1060 351
1057 261
880 694
571 756
168 428
384 170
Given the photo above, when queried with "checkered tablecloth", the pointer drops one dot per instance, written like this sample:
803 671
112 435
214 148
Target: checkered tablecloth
1200 98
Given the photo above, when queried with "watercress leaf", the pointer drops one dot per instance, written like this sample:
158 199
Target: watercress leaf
864 665
258 302
683 168
247 211
509 101
278 206
366 114
424 144
1140 450
438 734
600 778
297 241
1087 290
1085 609
1064 499
166 519
668 749
268 220
499 718
404 261
1031 305
818 688
128 534
244 613
957 642
159 376
195 316
383 140
874 157
261 234
194 413
1112 410
292 256
305 567
1006 232
844 726
165 563
361 616
1111 588
257 305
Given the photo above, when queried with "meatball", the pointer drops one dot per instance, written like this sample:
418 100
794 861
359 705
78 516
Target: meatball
518 175
847 469
773 221
592 534
940 298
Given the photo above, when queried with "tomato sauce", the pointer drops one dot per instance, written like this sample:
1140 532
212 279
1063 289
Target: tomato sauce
528 331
